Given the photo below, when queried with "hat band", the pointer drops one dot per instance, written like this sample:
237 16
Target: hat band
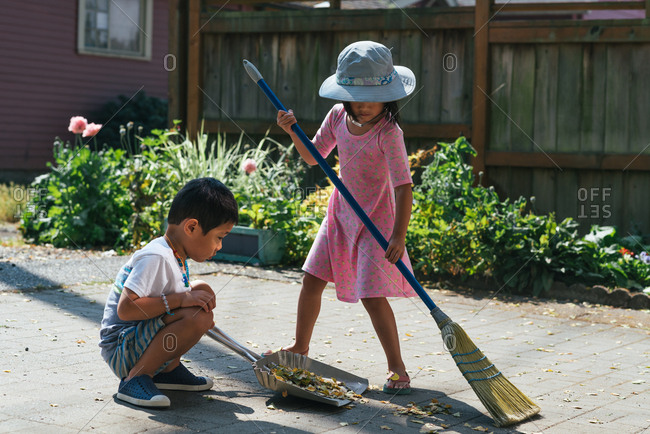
366 81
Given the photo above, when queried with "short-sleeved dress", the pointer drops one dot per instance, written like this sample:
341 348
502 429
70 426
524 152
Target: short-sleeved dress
344 251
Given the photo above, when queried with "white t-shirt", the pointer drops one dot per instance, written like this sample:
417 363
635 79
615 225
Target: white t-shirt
150 272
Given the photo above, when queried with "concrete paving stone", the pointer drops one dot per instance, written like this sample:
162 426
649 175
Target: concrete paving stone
548 417
18 425
609 415
262 313
576 427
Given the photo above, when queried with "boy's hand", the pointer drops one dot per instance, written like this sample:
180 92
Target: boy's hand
201 295
285 120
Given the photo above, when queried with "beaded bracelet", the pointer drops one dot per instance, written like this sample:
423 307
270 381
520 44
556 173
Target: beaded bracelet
164 299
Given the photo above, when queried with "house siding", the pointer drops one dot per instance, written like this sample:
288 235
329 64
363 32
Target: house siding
44 81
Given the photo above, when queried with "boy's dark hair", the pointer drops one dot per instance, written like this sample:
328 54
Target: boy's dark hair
392 111
206 200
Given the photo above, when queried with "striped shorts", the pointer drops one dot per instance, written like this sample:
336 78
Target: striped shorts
131 344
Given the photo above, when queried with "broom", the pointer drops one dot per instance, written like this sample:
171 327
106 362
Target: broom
505 403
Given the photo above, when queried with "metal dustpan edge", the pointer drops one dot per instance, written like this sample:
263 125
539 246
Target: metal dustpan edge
292 360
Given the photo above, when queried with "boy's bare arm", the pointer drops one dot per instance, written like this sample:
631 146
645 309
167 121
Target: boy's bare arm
131 307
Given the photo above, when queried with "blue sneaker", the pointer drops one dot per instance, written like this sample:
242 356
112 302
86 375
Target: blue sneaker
142 391
181 379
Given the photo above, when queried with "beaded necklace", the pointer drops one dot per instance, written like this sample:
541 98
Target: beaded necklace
182 263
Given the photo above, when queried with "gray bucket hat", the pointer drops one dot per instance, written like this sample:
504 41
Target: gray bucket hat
365 73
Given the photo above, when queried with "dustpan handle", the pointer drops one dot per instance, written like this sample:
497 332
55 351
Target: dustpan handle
408 275
220 336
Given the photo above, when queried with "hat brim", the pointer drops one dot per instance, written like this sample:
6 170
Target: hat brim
401 86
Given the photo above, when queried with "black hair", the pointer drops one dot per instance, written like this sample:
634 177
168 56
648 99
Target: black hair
392 111
206 200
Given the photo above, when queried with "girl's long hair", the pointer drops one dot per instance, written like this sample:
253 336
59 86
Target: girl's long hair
392 111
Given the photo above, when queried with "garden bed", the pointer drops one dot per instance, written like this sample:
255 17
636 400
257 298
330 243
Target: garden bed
577 293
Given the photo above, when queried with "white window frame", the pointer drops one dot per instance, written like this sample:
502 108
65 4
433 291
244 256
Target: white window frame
145 40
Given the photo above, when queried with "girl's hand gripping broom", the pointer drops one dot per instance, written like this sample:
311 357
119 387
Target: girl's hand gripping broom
501 398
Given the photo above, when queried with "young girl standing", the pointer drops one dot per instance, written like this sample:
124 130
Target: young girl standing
374 167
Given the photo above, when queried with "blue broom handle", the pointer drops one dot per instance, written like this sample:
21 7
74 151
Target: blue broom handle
408 275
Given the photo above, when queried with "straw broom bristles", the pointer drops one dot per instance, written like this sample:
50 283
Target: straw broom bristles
506 403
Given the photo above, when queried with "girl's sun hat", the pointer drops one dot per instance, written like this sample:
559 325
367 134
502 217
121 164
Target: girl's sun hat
365 73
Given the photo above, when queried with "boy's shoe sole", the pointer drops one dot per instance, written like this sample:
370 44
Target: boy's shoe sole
187 387
142 392
157 401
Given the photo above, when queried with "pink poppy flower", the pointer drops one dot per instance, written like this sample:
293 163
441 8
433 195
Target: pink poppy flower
92 129
77 124
249 165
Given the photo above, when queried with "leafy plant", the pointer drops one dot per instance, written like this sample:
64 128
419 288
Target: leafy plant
81 201
461 229
150 191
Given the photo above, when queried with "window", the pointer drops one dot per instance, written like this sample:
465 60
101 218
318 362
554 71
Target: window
120 28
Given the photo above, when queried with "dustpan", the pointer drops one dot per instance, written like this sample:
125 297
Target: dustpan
262 368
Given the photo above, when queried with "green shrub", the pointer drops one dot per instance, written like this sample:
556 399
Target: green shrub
143 113
119 197
81 202
461 229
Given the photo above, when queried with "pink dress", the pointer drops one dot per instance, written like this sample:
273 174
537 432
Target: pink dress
344 251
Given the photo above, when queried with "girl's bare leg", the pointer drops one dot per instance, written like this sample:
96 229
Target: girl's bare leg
383 320
309 304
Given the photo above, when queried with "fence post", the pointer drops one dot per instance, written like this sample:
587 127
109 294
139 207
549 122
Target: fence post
193 67
480 88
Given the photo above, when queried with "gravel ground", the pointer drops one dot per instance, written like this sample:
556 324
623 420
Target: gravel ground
24 266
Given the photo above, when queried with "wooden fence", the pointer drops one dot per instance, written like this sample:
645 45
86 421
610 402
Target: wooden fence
557 109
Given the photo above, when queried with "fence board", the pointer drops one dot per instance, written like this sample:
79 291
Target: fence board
637 204
521 183
468 79
594 76
248 93
499 178
308 75
566 199
545 122
410 47
543 188
500 97
617 108
569 98
523 98
639 138
268 67
212 73
453 86
430 79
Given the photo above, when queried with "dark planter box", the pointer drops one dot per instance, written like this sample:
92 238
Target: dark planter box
252 246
